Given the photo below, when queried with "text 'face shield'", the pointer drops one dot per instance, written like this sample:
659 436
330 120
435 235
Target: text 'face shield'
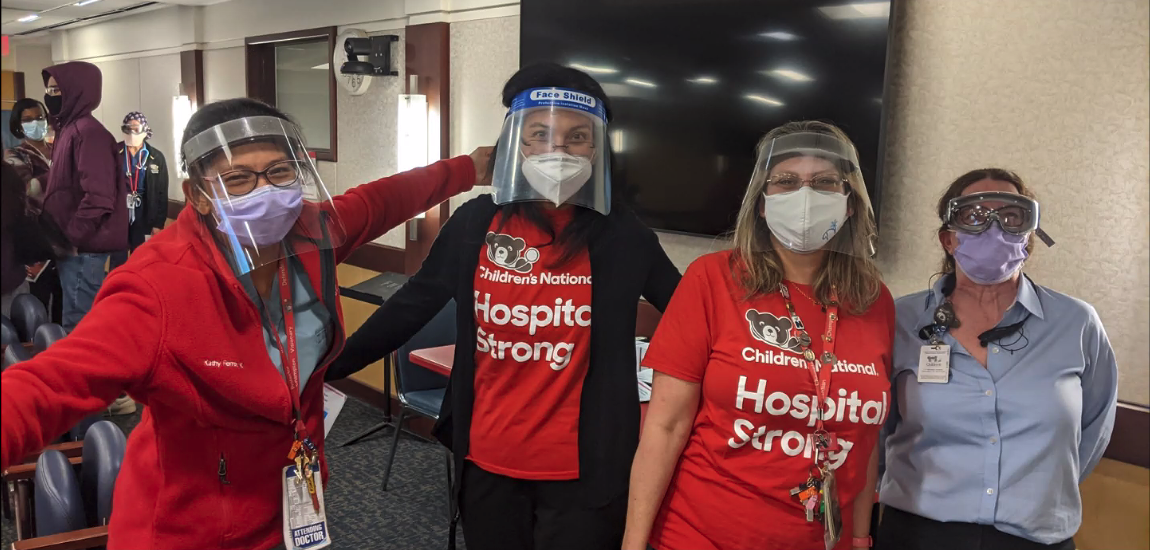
813 195
267 199
553 149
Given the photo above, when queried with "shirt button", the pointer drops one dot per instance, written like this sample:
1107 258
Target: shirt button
994 349
990 491
989 392
993 440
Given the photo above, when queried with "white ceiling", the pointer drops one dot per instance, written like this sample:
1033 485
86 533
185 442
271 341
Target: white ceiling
53 12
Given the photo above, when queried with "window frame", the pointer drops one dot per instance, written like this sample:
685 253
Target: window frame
261 76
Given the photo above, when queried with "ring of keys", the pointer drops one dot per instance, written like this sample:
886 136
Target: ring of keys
300 454
809 496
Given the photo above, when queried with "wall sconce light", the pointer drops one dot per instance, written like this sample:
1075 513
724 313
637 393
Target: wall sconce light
412 137
181 113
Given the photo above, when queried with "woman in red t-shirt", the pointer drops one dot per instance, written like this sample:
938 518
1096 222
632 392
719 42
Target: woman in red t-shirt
734 454
542 411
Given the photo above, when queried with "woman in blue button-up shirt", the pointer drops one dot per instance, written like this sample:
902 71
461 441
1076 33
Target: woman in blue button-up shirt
988 452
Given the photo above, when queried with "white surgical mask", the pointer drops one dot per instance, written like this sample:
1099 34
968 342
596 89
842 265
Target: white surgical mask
805 220
134 140
556 176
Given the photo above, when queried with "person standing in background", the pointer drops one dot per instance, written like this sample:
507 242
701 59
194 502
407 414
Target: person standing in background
33 156
83 196
31 160
146 172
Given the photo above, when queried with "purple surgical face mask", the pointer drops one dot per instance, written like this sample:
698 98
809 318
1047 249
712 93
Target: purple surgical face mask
992 256
262 217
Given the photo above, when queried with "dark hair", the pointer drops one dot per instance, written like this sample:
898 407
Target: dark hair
15 127
956 188
219 112
586 223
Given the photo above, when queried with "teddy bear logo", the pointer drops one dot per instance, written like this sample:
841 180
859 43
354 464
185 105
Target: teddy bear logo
774 331
510 252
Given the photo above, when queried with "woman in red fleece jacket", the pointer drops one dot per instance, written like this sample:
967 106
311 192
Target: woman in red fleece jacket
185 327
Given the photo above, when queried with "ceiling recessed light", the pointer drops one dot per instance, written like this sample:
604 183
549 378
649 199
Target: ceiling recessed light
703 80
82 3
791 74
781 36
862 10
764 99
28 18
643 83
593 69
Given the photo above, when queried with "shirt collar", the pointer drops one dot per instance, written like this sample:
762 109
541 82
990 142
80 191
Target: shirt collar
1026 296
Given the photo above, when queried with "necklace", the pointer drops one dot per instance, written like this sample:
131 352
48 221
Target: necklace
807 296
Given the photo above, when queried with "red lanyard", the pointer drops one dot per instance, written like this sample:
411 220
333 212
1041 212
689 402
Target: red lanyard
289 358
821 376
133 175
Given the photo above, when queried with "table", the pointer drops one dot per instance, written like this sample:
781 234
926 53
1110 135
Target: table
377 290
440 359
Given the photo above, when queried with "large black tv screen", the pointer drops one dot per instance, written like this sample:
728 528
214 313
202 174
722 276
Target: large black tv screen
695 84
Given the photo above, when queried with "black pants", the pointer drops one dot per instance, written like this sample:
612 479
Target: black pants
137 233
901 530
503 513
47 289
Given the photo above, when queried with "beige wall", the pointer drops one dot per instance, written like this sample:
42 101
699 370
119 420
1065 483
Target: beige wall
1058 90
30 59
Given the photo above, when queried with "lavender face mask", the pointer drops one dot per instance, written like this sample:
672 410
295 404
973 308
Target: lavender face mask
262 217
990 257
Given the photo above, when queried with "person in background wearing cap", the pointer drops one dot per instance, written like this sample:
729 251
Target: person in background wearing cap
222 326
83 195
146 174
1005 391
542 409
771 368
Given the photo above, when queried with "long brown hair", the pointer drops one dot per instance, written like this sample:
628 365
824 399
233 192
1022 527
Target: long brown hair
848 265
955 190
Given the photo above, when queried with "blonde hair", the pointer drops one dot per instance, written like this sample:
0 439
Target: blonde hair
847 266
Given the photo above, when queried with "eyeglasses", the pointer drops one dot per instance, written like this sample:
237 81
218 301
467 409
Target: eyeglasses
52 90
827 183
135 131
240 182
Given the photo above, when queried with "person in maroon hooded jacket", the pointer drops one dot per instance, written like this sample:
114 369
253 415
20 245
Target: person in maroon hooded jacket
83 195
223 325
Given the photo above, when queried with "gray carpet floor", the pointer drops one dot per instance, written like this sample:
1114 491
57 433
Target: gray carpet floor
411 515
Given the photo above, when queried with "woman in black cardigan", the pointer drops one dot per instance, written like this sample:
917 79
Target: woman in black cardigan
542 411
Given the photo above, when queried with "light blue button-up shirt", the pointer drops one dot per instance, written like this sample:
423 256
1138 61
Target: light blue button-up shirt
1005 445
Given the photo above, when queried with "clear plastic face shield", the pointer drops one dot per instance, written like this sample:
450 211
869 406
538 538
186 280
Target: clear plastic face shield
553 149
812 196
265 195
1011 212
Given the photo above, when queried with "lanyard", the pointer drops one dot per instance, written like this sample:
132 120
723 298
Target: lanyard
134 176
821 376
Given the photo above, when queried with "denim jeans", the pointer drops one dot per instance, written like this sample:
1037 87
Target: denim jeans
80 278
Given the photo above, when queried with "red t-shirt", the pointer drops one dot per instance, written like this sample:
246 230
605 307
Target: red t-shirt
749 445
533 329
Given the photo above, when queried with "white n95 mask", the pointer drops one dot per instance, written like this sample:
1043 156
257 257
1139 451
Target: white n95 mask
805 220
556 176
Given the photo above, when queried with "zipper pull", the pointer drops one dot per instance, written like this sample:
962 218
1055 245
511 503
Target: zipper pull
223 471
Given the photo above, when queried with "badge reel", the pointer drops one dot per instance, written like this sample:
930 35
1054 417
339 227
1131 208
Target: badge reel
934 357
304 514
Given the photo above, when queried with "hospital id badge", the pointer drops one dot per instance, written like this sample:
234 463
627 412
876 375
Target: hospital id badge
934 364
832 514
305 528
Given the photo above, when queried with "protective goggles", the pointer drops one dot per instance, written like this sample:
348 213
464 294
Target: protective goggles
1013 213
129 130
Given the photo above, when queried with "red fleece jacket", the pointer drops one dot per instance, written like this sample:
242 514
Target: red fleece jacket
159 326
